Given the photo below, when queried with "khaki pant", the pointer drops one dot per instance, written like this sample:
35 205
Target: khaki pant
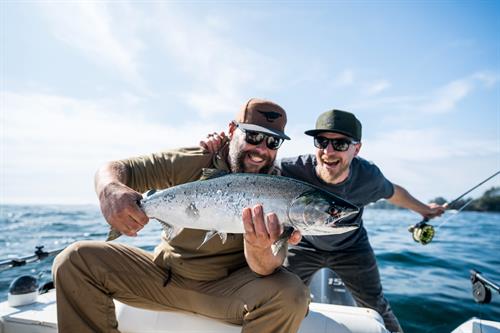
88 275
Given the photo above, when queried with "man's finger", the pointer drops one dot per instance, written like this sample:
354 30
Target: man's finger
258 222
212 147
203 145
247 221
273 226
138 216
295 238
132 225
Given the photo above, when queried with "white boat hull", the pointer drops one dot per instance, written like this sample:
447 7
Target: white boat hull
475 325
41 317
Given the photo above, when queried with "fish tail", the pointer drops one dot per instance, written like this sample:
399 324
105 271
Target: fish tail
282 240
113 234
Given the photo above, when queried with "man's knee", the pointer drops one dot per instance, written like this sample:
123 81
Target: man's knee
289 290
74 258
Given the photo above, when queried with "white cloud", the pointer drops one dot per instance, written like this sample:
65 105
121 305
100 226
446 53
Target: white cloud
357 81
110 41
443 99
447 97
433 162
53 144
428 145
377 87
224 72
487 78
345 78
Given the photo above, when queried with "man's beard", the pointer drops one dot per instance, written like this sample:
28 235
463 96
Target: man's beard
237 158
329 176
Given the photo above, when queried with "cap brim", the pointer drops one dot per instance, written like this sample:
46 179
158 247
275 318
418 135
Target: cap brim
315 132
257 128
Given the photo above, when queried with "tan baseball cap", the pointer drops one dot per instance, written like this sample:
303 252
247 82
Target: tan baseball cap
263 116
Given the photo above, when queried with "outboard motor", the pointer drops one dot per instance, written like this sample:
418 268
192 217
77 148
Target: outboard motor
327 287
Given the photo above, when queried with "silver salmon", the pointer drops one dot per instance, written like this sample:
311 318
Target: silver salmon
216 205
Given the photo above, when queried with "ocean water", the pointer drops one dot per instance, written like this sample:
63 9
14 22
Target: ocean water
428 286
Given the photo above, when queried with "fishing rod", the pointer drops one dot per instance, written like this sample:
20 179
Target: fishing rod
38 255
423 232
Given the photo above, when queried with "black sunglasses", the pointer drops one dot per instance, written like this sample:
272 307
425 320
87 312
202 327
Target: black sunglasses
256 138
339 144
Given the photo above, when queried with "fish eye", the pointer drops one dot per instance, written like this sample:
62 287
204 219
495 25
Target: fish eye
334 212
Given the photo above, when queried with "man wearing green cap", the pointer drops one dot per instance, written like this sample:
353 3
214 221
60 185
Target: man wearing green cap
337 168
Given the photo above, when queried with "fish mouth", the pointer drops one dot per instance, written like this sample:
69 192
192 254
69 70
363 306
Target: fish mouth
337 220
328 230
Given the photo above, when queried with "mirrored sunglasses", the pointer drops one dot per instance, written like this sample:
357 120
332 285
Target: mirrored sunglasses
256 138
340 144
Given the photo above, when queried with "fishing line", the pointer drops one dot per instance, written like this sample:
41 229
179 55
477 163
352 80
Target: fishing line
472 189
454 215
467 203
423 233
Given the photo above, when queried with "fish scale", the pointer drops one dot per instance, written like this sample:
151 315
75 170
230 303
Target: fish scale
217 204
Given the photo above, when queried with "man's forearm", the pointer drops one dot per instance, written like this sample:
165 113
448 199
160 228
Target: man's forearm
403 198
111 172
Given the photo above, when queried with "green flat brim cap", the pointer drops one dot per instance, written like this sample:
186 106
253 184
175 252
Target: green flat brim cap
337 121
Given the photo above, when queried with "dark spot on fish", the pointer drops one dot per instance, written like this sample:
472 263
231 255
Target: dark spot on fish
192 211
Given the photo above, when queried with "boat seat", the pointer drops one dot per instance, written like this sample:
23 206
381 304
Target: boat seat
322 318
41 317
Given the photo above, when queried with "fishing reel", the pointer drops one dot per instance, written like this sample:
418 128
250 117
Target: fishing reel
422 232
481 287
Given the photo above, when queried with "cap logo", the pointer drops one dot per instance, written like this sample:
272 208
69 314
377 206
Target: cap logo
270 115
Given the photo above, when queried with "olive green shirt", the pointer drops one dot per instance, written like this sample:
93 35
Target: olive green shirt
182 253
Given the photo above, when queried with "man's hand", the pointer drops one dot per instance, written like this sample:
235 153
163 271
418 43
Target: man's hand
257 234
260 234
119 208
435 210
213 142
403 198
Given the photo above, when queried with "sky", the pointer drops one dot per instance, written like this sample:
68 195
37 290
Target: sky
85 82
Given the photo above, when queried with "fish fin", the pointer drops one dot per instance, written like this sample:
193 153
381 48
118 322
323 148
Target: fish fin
278 245
170 230
223 237
113 234
208 236
207 173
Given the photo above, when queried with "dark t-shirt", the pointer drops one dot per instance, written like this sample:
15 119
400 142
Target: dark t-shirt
365 184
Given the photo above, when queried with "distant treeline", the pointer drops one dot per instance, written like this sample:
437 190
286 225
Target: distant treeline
488 202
